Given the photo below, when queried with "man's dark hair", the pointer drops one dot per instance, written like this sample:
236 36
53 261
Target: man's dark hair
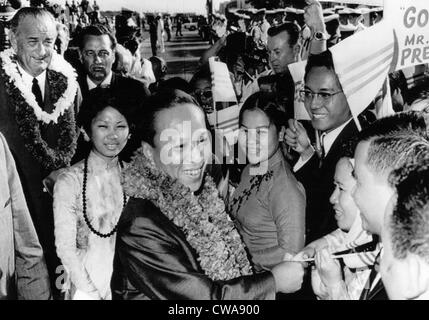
202 73
291 28
398 81
408 225
412 121
161 100
96 30
390 152
176 83
29 12
323 59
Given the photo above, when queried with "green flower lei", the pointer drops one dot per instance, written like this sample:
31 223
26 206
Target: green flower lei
29 127
202 218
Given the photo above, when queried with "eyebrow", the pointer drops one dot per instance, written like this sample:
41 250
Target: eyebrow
321 89
260 127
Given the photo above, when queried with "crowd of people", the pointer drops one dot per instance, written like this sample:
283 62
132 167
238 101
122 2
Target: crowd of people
112 186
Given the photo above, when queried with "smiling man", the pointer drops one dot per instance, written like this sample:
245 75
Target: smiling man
330 115
32 79
98 54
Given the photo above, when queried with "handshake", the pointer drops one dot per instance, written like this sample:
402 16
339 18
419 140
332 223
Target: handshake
288 275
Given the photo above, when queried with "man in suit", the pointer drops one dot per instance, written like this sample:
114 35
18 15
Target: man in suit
404 266
23 272
155 257
97 51
42 139
331 117
386 145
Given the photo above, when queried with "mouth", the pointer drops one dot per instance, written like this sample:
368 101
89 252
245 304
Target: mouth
112 146
98 69
319 116
194 173
338 214
39 60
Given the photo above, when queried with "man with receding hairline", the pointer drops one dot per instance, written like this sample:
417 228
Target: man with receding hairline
38 125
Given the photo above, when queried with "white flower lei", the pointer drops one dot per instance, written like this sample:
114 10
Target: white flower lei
58 64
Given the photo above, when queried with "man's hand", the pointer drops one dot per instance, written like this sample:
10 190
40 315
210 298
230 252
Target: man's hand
329 269
50 180
288 276
313 16
296 136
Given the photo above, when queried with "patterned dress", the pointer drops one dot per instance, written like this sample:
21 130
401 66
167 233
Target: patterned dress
269 212
86 257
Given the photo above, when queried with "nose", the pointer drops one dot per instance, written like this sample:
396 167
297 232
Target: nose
97 58
112 134
197 154
315 102
334 196
41 50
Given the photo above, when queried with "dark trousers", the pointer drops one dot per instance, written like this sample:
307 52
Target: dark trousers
179 31
153 45
168 30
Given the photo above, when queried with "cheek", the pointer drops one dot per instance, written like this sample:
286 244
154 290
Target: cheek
349 207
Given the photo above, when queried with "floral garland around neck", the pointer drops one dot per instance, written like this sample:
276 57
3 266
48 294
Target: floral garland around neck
28 114
202 218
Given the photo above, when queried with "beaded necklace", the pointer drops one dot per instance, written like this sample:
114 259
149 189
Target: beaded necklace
88 223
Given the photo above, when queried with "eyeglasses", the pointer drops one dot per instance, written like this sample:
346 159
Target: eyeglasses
310 95
203 93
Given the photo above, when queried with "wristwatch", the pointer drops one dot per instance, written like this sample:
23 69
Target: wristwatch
318 35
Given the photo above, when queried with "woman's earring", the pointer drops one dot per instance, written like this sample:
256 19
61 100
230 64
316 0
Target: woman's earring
85 135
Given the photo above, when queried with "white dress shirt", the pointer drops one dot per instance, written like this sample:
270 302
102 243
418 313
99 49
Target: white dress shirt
327 140
28 79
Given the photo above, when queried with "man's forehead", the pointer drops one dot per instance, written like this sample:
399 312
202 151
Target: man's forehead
322 77
278 40
99 41
182 118
34 25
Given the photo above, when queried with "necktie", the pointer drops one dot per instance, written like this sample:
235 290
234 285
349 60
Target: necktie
322 149
367 289
37 93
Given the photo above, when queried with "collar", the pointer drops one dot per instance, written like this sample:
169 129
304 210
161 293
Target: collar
28 79
106 82
328 138
275 158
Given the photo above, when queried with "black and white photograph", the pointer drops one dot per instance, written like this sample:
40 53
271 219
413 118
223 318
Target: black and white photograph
203 150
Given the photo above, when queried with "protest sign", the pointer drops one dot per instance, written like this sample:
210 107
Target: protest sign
410 21
222 88
225 121
297 70
362 63
377 3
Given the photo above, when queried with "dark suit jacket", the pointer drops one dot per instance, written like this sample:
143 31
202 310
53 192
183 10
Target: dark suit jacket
319 185
31 172
378 292
153 260
124 89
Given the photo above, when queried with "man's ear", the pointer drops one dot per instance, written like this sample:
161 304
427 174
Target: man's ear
80 56
282 133
296 51
417 277
13 40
